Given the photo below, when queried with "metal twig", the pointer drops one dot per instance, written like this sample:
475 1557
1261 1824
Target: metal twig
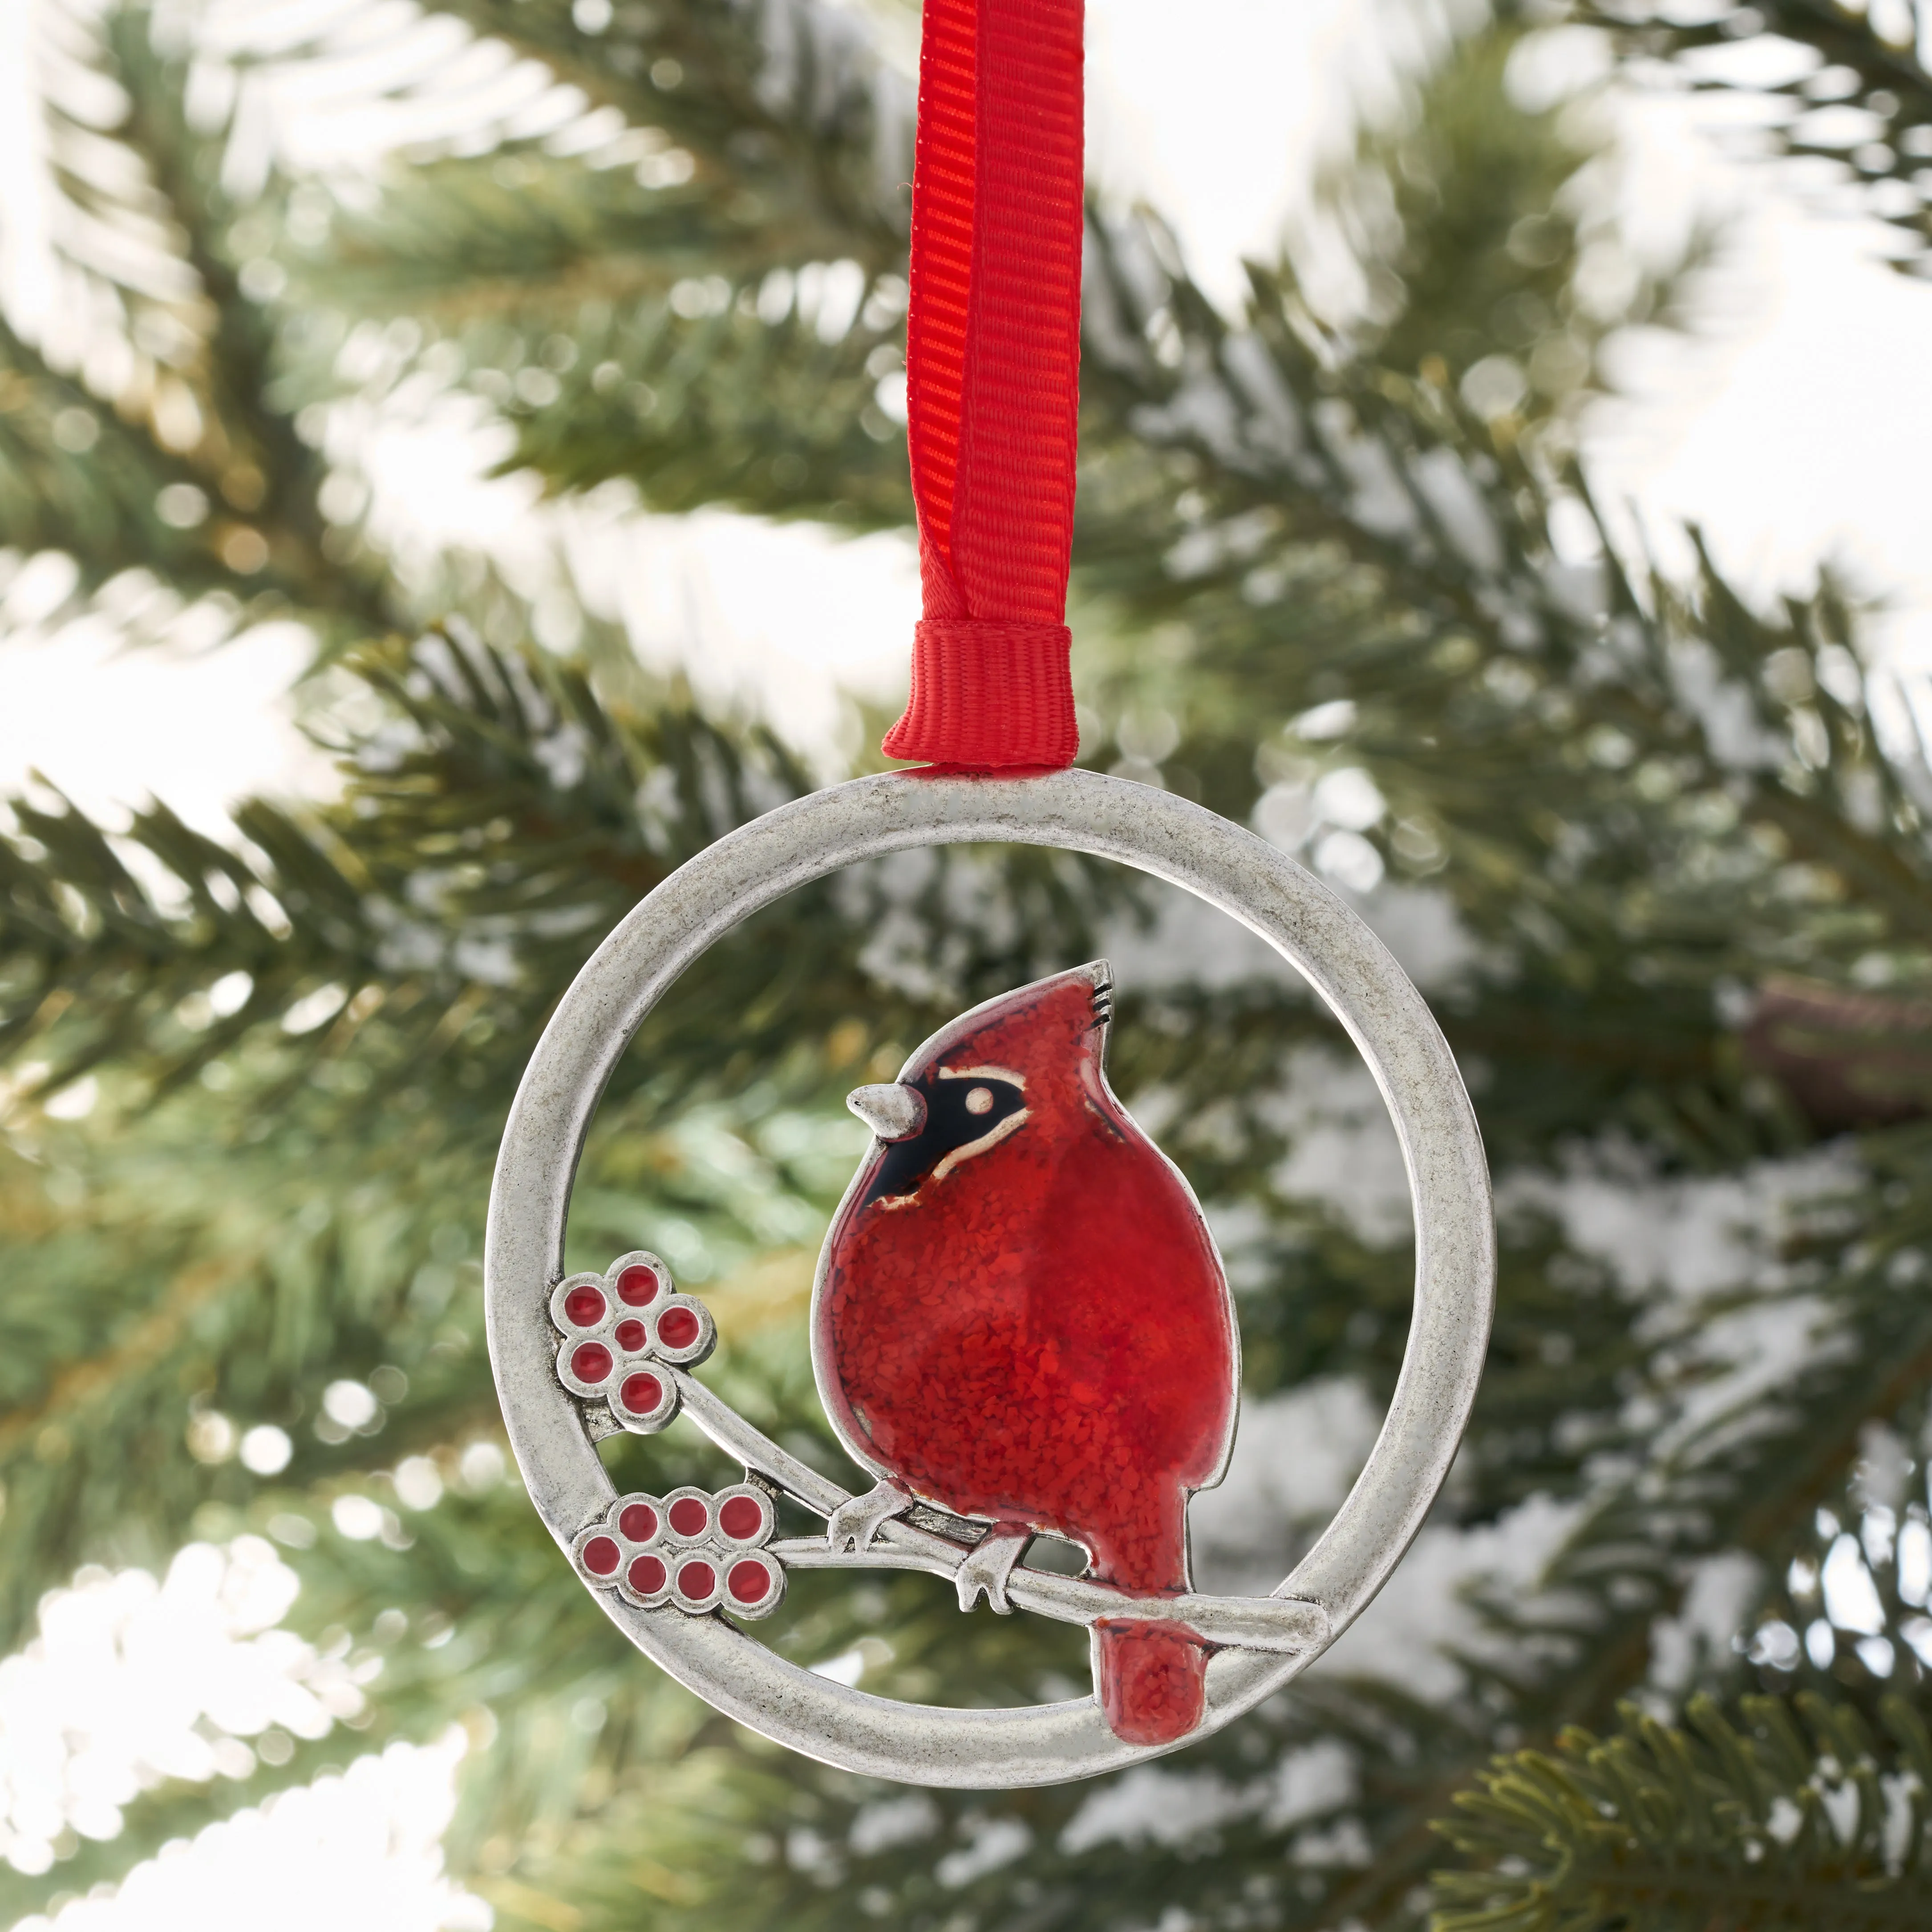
1286 1625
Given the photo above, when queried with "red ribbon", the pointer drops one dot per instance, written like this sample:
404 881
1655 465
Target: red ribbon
993 381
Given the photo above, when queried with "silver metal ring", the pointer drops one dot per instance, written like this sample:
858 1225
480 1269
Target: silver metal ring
1077 811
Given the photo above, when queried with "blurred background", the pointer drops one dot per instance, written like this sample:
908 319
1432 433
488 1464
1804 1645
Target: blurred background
452 468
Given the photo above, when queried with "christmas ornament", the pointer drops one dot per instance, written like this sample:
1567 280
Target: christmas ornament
1020 1326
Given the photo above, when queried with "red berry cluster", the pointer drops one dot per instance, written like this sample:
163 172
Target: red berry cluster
621 1329
691 1548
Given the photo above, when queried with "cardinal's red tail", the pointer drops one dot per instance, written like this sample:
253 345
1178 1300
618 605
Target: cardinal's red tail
1152 1677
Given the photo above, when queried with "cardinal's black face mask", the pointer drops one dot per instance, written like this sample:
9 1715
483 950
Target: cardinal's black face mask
958 1112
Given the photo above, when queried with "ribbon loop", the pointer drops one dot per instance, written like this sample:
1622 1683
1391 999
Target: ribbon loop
992 380
989 697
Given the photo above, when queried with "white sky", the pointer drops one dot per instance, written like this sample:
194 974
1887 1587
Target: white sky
1794 428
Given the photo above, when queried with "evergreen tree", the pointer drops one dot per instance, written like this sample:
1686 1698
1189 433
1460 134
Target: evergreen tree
1339 575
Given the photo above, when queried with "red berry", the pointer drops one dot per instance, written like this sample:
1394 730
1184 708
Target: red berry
584 1306
639 1521
677 1327
697 1579
641 1394
749 1582
600 1555
630 1335
690 1517
741 1519
637 1287
591 1363
647 1574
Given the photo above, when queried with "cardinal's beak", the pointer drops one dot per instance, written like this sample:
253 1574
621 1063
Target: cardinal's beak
893 1112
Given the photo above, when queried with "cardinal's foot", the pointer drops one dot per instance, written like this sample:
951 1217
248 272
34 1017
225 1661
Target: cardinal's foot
989 1565
854 1525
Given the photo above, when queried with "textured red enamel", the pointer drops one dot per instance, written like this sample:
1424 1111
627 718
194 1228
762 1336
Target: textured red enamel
630 1335
1043 1335
677 1327
591 1363
749 1582
696 1579
639 1521
601 1555
637 1287
646 1573
741 1519
1153 1694
690 1517
584 1306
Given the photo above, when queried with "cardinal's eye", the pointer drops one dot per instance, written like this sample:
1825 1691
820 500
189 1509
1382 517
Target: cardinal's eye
980 1100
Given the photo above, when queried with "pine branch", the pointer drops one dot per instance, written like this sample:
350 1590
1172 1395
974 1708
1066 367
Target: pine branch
478 751
1446 529
704 295
1708 1477
269 478
1786 1815
1855 103
193 468
763 396
1462 220
791 104
75 479
724 139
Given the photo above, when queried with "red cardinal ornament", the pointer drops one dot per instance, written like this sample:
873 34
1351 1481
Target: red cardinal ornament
1020 1317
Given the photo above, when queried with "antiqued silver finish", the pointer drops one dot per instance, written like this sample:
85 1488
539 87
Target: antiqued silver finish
1270 1639
945 1546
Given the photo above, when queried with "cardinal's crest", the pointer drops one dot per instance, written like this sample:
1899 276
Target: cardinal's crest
1020 1328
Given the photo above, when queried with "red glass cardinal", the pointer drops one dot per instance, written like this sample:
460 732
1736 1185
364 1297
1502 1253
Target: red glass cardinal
1020 1317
